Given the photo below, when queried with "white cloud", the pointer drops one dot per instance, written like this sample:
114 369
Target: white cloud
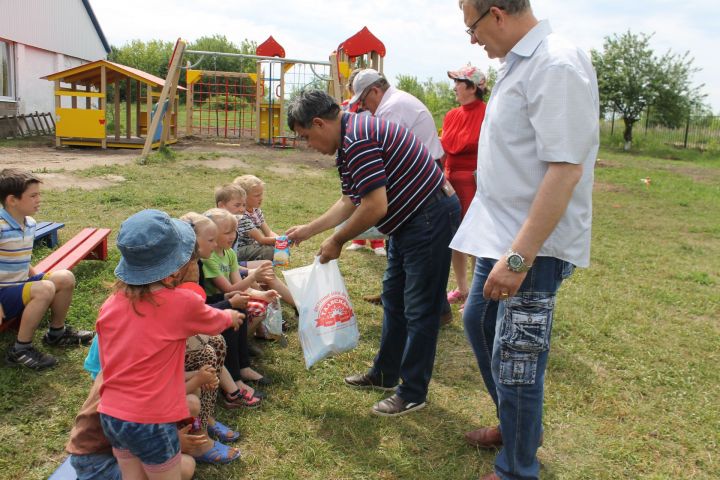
423 38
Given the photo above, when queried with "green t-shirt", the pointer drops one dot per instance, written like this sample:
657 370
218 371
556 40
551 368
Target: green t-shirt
219 266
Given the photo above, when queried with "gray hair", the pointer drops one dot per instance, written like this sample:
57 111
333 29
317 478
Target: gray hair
510 6
382 84
311 104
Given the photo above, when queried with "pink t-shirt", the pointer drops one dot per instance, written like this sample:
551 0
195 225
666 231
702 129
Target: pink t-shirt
142 356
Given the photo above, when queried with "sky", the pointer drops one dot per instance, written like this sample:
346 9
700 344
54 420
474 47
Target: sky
423 38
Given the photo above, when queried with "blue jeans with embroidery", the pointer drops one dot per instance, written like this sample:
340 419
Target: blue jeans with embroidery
511 341
414 297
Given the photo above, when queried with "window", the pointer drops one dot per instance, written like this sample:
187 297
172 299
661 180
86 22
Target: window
7 92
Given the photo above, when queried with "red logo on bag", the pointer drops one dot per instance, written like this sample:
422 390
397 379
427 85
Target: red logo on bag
281 244
333 310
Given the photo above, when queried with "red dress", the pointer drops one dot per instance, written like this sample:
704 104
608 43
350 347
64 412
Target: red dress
460 134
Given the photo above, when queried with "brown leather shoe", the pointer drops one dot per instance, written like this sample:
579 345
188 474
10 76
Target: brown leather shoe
490 476
446 318
486 437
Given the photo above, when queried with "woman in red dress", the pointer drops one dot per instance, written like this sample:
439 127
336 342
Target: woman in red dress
460 134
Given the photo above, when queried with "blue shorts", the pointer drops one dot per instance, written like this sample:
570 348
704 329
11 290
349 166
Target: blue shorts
157 445
95 466
13 299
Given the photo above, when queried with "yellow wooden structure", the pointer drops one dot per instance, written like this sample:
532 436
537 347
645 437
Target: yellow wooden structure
85 122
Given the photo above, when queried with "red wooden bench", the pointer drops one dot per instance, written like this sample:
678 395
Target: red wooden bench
88 244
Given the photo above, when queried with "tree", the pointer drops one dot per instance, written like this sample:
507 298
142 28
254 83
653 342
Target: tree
152 56
220 44
631 78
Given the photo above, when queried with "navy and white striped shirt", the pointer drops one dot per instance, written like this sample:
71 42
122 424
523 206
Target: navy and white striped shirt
375 153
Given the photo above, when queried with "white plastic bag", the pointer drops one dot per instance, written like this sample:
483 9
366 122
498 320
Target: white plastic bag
327 320
273 318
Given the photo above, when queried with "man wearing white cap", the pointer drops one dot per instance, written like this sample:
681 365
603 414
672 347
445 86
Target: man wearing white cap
375 94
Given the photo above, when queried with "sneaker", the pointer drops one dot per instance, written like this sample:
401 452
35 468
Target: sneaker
363 380
69 338
380 251
394 406
30 358
355 246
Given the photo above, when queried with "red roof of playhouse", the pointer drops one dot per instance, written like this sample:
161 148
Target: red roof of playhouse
270 48
361 43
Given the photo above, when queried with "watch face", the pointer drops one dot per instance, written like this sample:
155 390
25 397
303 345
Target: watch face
515 261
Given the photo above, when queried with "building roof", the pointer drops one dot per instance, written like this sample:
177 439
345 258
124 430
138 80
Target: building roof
90 73
96 24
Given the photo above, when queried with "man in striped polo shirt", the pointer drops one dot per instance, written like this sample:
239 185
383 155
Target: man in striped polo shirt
388 180
23 291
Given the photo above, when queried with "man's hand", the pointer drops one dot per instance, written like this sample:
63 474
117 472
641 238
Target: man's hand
329 250
502 283
298 233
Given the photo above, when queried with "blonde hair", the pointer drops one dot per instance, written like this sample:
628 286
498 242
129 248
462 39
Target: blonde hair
248 182
220 215
226 193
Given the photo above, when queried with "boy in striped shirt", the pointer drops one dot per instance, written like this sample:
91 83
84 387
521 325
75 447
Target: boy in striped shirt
388 179
23 291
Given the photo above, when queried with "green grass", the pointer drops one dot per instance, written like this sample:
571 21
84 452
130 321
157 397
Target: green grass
632 384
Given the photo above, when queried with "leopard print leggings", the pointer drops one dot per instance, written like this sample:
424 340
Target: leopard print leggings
211 352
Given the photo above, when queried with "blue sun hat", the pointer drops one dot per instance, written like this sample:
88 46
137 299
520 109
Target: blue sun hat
153 246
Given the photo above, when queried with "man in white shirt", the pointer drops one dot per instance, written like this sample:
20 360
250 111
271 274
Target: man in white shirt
376 95
529 223
373 93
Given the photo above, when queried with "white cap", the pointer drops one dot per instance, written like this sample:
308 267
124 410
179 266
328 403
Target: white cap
362 81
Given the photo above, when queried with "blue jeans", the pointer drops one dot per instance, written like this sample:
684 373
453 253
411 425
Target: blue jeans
96 466
414 296
155 444
511 341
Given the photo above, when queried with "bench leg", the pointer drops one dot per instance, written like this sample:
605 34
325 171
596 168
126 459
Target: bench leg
99 252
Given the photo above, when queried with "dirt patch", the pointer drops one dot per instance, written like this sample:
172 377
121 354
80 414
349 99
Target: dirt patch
697 174
62 181
609 187
600 163
55 165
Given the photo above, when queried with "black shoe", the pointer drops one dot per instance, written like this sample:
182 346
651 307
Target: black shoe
30 358
394 406
254 350
69 338
363 380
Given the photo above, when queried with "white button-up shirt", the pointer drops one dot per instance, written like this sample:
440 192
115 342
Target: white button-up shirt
406 110
544 108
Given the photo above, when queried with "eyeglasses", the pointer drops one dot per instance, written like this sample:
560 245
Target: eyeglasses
471 31
363 97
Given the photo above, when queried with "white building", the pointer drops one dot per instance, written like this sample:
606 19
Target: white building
40 37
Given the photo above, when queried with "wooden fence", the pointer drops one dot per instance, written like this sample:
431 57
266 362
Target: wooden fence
27 125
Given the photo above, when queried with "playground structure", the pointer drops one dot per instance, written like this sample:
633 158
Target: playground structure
251 103
102 83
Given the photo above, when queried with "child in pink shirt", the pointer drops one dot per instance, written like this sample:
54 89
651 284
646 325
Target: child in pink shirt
142 330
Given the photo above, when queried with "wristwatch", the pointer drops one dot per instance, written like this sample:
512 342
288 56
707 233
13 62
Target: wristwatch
516 262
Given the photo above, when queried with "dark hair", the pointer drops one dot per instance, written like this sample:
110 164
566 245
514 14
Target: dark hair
311 104
14 181
479 92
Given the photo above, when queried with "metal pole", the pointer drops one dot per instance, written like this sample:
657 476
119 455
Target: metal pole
687 129
256 57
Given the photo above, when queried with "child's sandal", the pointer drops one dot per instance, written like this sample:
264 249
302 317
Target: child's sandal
219 454
222 433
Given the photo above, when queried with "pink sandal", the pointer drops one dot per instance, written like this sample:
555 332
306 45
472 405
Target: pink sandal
455 296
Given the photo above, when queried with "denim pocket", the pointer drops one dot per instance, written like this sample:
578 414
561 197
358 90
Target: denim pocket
524 334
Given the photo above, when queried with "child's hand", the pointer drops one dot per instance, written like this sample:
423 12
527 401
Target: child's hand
208 377
190 444
269 296
263 273
237 318
239 300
